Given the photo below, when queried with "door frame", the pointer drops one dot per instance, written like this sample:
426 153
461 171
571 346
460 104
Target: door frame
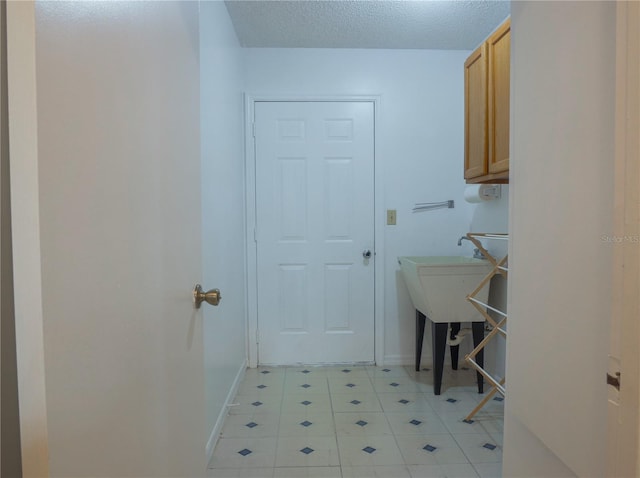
250 215
623 434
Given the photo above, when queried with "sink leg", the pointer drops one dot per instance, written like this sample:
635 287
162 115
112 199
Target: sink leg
439 335
420 322
455 328
477 329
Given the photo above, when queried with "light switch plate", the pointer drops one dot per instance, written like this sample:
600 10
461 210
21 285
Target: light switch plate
391 217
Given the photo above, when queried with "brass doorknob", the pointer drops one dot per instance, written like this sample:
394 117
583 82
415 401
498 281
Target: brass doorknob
212 296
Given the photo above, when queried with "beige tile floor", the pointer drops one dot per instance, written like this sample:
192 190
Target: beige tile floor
358 421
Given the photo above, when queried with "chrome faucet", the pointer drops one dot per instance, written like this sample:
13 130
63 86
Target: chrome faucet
477 254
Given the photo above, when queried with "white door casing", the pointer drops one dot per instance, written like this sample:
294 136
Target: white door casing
623 420
315 219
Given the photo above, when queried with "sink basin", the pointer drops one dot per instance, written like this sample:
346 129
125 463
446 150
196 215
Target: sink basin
439 285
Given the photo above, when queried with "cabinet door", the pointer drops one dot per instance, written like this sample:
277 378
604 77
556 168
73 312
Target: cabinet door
475 104
499 50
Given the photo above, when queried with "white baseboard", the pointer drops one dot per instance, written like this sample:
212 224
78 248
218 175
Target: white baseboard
391 360
215 433
395 360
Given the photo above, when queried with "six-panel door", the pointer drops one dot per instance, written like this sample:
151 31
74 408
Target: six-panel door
315 221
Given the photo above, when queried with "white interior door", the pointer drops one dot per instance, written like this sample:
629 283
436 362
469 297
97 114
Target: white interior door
555 415
315 224
106 191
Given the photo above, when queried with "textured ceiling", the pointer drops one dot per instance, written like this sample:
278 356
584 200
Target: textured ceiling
425 24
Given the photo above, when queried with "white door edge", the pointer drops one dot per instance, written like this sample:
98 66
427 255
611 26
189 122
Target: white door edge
623 419
250 191
25 212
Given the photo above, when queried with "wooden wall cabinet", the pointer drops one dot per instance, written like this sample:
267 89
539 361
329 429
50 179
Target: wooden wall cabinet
486 102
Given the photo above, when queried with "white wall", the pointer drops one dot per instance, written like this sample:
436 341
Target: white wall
562 158
419 146
222 139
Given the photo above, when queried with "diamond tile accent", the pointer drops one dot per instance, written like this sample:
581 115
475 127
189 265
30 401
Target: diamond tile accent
400 425
426 369
465 368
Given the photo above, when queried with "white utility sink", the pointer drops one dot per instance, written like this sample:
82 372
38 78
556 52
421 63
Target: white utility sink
439 285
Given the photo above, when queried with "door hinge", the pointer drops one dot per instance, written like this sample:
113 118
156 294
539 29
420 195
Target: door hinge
253 129
614 381
257 336
255 234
